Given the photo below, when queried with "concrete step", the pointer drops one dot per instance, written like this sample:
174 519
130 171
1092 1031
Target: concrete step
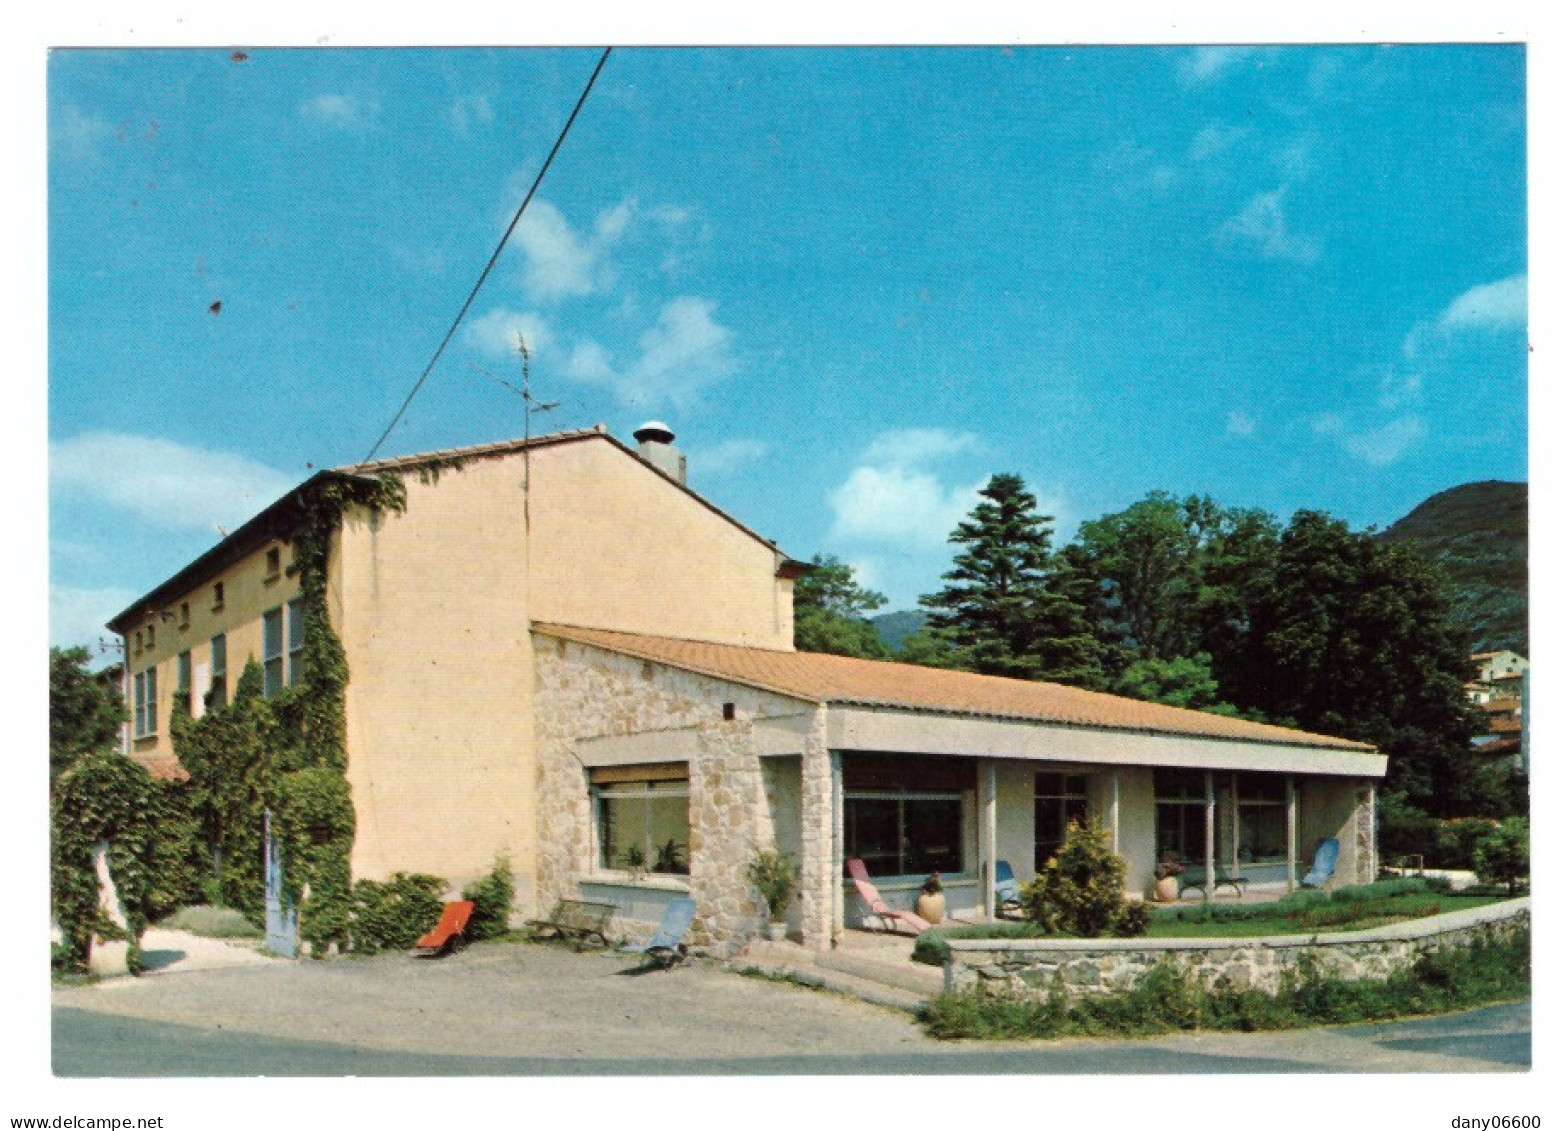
811 968
924 981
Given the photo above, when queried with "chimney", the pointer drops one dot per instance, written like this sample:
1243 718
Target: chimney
655 444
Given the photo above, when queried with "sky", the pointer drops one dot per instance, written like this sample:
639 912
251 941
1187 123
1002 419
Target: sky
856 282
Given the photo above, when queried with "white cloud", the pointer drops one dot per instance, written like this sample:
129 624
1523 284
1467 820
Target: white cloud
1296 159
77 136
890 497
680 355
559 261
1214 139
496 334
1491 306
344 111
171 486
728 457
1240 424
1261 227
1327 424
1208 64
469 110
1383 446
80 616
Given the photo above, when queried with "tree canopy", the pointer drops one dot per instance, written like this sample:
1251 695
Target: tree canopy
829 612
85 711
1004 608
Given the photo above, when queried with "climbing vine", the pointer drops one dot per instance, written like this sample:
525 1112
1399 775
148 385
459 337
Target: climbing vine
104 797
285 756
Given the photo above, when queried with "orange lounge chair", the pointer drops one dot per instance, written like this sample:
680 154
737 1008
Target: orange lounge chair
447 935
875 902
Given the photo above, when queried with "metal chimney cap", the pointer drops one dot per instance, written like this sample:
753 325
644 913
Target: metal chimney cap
654 431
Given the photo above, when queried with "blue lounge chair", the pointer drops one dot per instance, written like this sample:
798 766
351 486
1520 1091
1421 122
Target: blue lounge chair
667 946
1005 891
1324 868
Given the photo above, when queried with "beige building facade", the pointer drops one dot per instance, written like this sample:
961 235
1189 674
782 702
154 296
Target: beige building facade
560 653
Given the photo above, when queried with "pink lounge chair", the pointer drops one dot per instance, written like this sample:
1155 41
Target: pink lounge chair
875 902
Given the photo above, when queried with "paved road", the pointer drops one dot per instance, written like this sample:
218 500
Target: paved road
525 1010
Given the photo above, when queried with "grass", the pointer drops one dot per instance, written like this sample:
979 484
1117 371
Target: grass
212 923
1169 1000
1298 913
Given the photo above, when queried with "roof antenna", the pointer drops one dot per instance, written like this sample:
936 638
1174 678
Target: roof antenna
532 406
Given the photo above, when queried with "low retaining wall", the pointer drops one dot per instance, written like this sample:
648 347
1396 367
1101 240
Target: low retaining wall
1028 967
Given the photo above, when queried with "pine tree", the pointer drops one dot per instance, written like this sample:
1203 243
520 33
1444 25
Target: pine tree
829 612
1005 608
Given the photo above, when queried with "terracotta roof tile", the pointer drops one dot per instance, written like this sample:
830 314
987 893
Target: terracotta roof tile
821 678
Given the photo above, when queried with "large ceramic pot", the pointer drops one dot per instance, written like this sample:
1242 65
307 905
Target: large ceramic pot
1166 890
776 931
931 906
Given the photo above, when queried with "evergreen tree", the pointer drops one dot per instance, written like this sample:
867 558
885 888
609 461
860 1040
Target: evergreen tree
828 612
1007 609
85 713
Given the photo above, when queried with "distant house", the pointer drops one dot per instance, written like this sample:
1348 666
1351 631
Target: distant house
1499 690
560 652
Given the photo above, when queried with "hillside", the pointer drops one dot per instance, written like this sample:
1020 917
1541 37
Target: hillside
893 628
1477 533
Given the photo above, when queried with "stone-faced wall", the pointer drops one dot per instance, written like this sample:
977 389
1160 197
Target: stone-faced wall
1028 968
584 692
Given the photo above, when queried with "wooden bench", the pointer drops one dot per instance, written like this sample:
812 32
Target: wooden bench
578 921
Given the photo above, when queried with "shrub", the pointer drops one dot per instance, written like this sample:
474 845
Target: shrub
1457 842
212 923
1503 856
932 949
1132 920
1080 889
773 876
392 915
492 896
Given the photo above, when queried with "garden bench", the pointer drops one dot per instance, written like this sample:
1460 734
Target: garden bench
578 920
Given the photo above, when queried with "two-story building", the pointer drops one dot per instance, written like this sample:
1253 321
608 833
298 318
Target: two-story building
561 653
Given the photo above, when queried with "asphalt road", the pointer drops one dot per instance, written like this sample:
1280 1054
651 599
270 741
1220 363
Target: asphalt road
526 1010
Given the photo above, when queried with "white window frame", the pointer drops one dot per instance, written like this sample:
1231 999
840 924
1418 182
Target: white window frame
629 791
900 796
218 674
274 650
145 702
296 637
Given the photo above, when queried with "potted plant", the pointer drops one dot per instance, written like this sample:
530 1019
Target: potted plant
1166 883
931 904
773 876
635 862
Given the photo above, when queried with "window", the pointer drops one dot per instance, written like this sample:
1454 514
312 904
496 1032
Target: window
1060 799
1263 817
218 597
1180 804
150 633
295 634
274 652
183 615
139 642
272 563
145 703
903 833
215 698
186 681
643 815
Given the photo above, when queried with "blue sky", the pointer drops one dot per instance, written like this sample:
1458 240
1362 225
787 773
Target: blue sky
856 282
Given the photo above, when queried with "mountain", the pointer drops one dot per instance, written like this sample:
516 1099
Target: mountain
893 628
1477 534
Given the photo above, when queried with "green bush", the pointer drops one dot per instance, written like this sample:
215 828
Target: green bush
1503 856
1132 920
492 896
1385 889
773 876
1081 888
392 915
1458 842
212 923
932 945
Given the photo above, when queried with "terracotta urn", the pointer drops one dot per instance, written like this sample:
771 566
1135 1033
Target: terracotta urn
1166 889
931 906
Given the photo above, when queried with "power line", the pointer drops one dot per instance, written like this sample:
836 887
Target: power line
495 255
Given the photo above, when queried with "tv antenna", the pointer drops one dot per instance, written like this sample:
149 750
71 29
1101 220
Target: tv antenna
532 406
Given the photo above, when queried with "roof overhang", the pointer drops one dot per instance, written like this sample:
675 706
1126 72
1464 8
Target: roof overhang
278 520
902 731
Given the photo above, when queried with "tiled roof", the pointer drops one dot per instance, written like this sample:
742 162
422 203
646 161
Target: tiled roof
474 451
819 678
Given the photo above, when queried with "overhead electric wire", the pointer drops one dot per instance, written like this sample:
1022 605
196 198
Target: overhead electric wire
495 255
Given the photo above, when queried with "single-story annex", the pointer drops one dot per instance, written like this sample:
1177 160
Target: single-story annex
561 653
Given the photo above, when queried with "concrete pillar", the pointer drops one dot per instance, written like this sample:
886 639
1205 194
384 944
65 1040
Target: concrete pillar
988 836
1209 887
1292 795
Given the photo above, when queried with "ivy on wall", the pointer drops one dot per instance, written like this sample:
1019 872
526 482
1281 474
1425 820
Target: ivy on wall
103 797
286 756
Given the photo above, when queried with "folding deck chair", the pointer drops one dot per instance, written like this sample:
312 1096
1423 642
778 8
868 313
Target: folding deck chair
667 946
875 902
1005 892
448 935
1324 868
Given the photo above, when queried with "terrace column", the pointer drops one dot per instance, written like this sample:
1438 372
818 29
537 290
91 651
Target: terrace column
1234 868
988 837
1374 836
1293 833
1115 811
1208 886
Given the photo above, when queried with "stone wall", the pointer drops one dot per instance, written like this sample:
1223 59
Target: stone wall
584 692
1028 968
